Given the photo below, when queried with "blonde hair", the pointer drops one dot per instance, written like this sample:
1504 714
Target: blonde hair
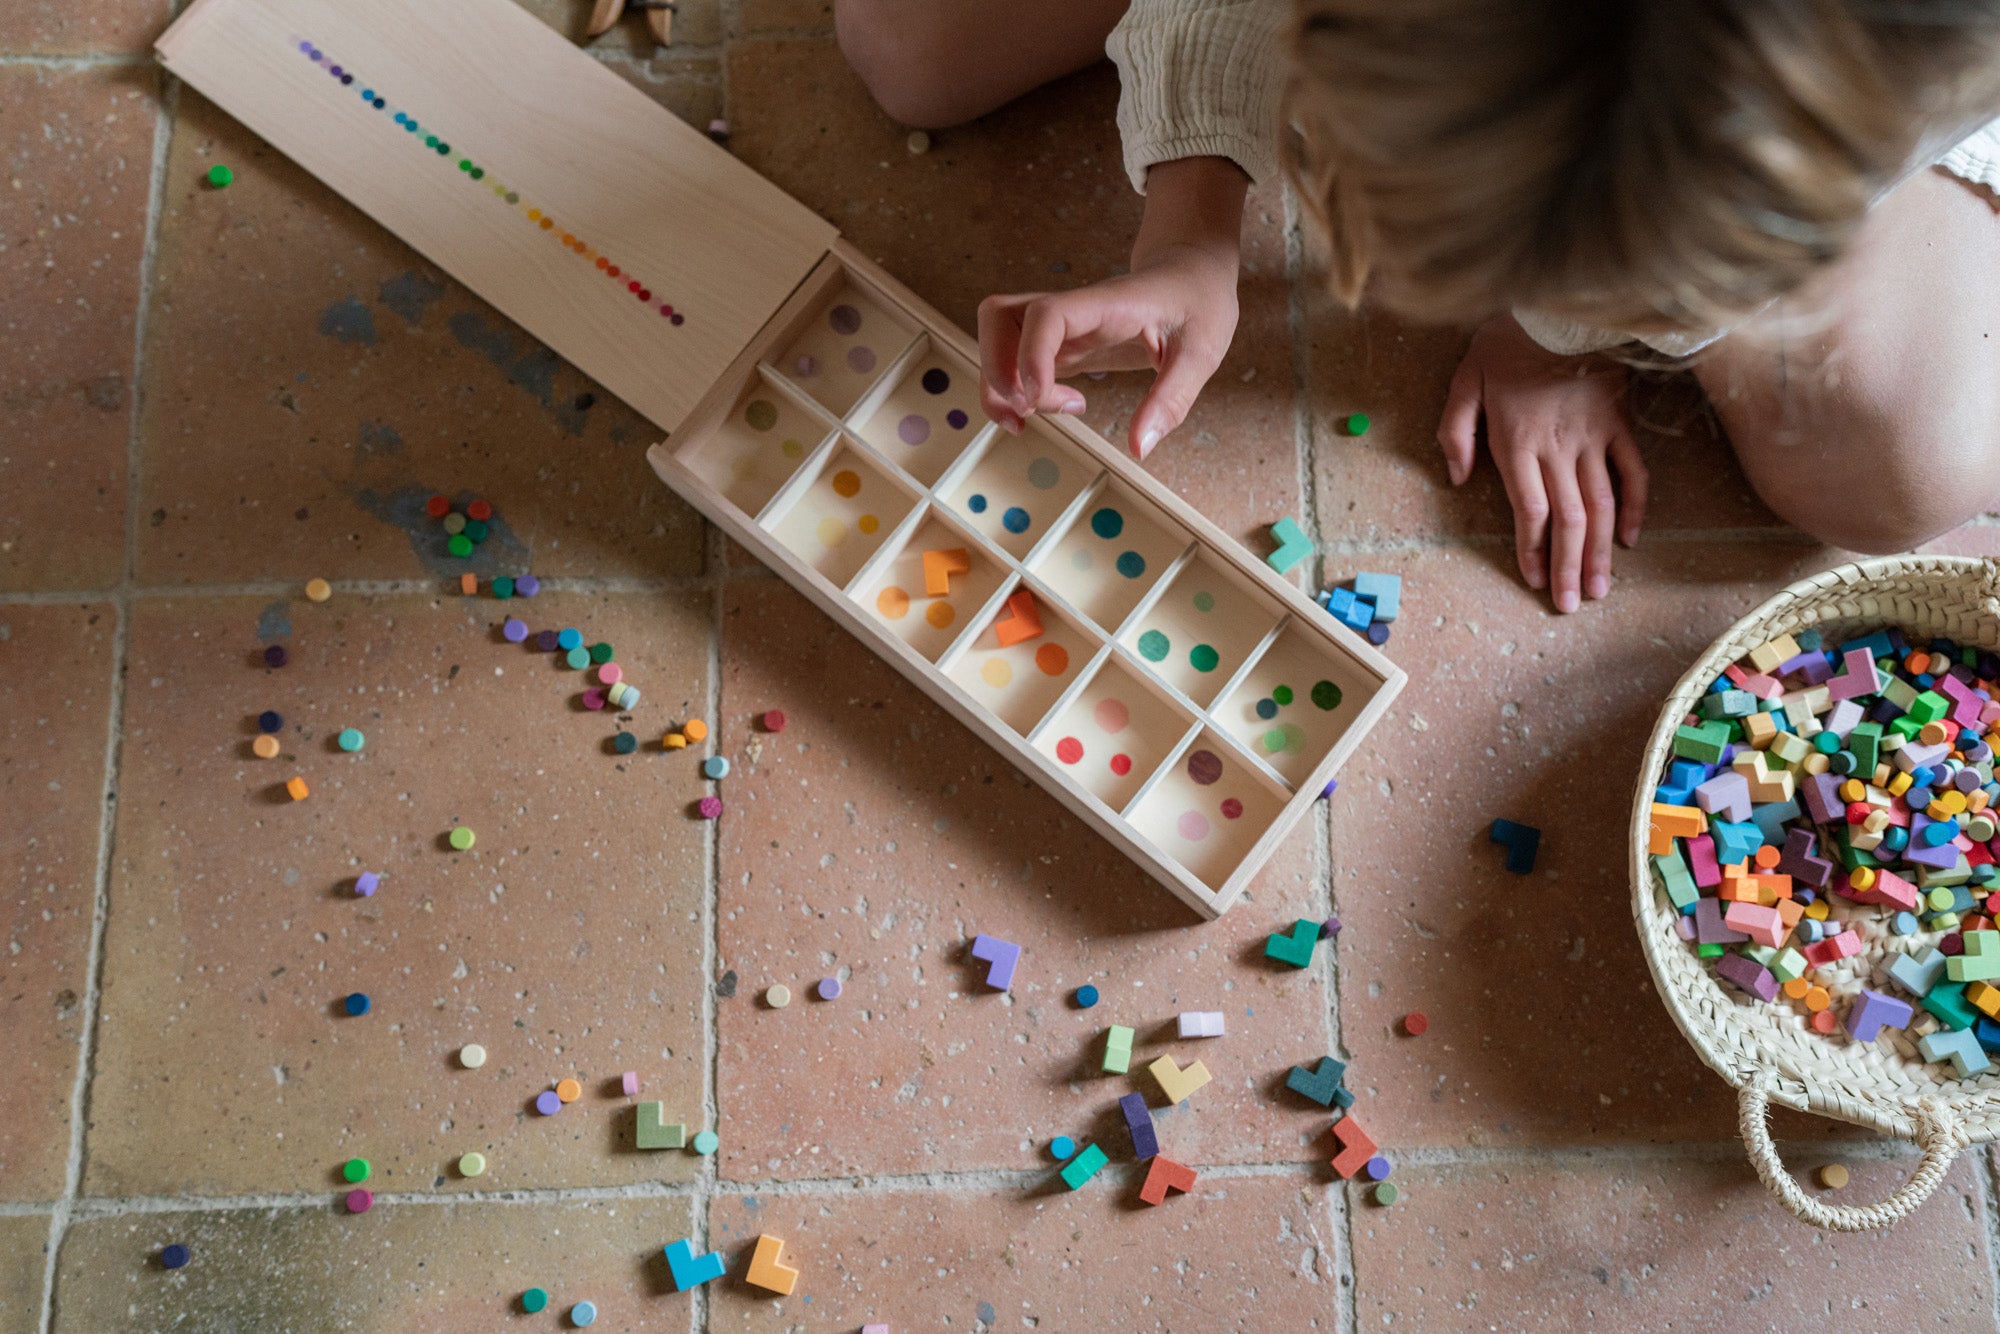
1640 165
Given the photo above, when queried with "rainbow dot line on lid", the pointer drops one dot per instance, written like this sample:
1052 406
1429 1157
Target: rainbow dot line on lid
474 172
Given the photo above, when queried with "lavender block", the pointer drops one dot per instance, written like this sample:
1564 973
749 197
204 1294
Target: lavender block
1746 974
1872 1011
1710 929
1821 793
1001 955
1726 794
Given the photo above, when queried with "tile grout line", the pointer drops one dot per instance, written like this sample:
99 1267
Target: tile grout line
1339 1212
81 1090
374 588
114 741
711 937
984 1181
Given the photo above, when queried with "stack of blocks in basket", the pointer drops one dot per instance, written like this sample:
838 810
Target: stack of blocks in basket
1864 773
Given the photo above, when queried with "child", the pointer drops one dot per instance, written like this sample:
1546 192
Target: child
1745 182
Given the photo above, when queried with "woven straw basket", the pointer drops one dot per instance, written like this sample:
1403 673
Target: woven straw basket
1767 1052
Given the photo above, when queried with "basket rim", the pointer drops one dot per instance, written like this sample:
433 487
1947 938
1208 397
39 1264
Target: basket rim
1977 1099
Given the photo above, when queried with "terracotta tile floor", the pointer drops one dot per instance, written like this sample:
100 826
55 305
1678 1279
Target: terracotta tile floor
210 397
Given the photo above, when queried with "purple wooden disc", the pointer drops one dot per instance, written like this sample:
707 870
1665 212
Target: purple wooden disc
527 585
516 630
829 988
275 656
545 640
547 1103
1378 1168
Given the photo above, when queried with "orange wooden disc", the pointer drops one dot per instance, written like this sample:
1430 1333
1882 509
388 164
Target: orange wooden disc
569 1090
1767 857
695 730
265 747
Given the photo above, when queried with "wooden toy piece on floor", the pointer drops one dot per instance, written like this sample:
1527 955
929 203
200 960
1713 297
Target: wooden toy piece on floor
1356 1148
1001 956
1833 1176
1293 545
1139 1121
1384 590
767 1272
1295 948
1175 1082
468 583
1084 1166
874 1329
941 565
1022 622
1164 1175
651 1130
690 1270
1118 1050
1321 1084
297 790
1201 1023
1523 842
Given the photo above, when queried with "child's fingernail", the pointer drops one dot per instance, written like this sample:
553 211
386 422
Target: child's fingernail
1031 393
1148 440
1566 601
1599 585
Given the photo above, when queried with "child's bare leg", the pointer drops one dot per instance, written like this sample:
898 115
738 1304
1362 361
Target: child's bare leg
1881 429
933 63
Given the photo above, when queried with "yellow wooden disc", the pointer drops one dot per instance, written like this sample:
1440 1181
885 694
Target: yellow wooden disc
266 747
1833 1176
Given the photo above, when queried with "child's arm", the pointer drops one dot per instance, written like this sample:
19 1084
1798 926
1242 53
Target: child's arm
1552 423
1174 312
1199 82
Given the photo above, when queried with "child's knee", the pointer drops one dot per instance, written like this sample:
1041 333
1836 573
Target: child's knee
894 46
1873 486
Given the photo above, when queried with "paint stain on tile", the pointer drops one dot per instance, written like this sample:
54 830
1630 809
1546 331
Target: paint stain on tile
274 622
348 321
379 438
533 370
410 294
503 552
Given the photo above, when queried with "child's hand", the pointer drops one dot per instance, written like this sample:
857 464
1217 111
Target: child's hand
1551 421
1175 315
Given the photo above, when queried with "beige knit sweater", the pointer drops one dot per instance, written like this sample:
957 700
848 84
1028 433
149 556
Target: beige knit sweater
1199 78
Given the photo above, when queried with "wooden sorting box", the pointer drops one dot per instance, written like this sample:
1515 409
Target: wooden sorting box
1180 698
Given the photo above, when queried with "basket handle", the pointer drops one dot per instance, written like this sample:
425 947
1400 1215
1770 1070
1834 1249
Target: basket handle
1939 1135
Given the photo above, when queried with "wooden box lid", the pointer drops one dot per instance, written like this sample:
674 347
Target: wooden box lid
525 169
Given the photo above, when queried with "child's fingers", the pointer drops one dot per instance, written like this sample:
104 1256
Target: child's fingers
1600 513
999 356
1568 526
1522 474
1458 431
1183 372
1048 325
1632 486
